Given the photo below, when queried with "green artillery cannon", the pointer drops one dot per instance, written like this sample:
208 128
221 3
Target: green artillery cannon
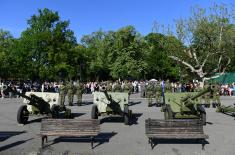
226 109
111 103
39 103
185 105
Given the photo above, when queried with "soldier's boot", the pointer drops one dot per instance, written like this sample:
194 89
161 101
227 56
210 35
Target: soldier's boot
70 102
207 101
79 102
149 101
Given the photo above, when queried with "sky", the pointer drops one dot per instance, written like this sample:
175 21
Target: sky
87 16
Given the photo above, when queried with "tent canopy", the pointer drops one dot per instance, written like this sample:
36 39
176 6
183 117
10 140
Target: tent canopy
226 78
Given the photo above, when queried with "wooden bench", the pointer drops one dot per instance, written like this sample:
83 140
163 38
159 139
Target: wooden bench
174 129
69 128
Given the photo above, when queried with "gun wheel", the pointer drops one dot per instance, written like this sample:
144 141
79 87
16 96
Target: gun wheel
168 112
22 115
94 112
55 111
203 117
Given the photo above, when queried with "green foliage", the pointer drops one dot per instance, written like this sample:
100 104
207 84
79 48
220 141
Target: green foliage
6 45
47 49
209 37
47 46
159 65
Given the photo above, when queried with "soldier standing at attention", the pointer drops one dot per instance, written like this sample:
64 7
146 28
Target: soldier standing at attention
109 86
79 91
150 93
62 93
143 89
168 87
158 93
127 87
70 89
207 96
117 87
216 96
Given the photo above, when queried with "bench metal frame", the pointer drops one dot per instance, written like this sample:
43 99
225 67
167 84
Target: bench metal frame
174 129
69 128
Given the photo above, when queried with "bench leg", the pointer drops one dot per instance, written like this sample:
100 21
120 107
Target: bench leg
43 138
92 141
151 143
203 144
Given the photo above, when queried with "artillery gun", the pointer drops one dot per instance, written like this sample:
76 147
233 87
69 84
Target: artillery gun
185 105
111 103
226 109
43 103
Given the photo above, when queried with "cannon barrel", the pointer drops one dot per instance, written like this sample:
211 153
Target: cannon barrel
113 104
35 101
211 88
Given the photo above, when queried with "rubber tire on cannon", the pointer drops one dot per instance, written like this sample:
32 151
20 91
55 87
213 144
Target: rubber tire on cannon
167 112
22 115
55 111
203 115
127 115
94 112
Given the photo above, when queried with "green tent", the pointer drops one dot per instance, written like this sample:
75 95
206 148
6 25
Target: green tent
225 78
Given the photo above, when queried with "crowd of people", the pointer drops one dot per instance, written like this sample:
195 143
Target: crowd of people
90 87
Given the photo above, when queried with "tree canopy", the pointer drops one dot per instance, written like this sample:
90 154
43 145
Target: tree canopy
203 45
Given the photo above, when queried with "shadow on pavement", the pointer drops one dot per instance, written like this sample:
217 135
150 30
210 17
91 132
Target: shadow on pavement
119 119
135 117
179 141
113 119
13 144
78 114
134 103
230 114
7 134
103 137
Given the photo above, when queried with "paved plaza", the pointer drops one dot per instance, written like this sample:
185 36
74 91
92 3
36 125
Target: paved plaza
115 137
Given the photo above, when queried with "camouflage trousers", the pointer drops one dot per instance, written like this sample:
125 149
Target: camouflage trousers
150 97
70 99
79 99
62 99
158 97
216 99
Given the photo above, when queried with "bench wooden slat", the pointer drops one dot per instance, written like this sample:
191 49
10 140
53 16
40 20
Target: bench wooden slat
70 128
177 136
173 124
69 134
174 129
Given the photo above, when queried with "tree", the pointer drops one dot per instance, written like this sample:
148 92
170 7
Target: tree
46 45
160 65
128 54
99 46
6 44
209 42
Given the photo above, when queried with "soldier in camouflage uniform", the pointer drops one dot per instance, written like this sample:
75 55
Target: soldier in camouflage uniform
143 89
117 87
216 96
109 86
207 96
168 87
70 89
62 94
158 93
127 87
150 93
79 90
